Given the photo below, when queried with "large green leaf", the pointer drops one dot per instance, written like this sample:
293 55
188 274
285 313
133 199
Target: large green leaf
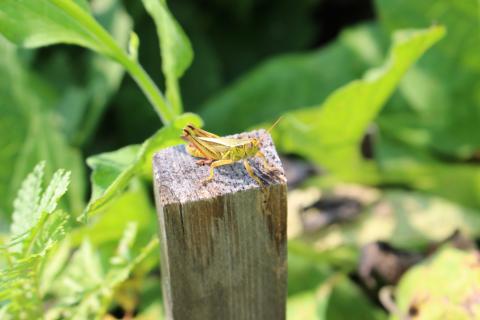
439 99
30 132
330 133
133 205
36 23
83 103
113 171
292 81
177 53
402 164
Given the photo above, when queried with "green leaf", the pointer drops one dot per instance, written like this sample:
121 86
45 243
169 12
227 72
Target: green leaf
35 230
443 287
54 265
55 190
85 288
132 205
30 132
446 111
36 23
25 23
330 133
335 299
291 81
402 164
25 212
83 104
176 50
306 269
30 203
113 171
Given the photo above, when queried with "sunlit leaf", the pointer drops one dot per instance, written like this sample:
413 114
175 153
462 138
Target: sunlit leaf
113 171
177 53
438 95
291 81
330 133
36 23
86 288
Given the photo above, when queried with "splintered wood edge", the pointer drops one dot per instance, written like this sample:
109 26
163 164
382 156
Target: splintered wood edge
178 177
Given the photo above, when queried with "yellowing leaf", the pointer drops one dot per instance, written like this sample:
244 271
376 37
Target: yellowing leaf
444 287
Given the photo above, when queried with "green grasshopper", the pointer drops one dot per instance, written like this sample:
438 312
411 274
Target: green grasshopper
218 151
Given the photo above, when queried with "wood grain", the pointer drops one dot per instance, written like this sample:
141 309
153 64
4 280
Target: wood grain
223 245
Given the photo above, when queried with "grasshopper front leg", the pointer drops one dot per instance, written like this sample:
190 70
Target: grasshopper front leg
215 164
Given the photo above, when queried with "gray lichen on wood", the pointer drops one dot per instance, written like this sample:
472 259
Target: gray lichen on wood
223 244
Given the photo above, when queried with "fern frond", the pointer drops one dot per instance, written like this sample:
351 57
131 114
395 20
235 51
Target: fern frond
25 206
36 228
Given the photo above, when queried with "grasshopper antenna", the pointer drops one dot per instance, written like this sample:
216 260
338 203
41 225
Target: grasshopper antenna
275 124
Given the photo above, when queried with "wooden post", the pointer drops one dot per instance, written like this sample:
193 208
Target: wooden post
223 245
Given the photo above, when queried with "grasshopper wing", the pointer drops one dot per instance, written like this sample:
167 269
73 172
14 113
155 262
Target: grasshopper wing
227 142
199 148
200 132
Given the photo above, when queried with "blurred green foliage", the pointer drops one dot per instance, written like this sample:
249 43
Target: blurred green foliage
253 62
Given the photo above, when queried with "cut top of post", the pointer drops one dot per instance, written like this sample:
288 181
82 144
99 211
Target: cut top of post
181 179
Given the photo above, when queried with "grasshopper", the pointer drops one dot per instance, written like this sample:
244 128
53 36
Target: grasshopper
218 151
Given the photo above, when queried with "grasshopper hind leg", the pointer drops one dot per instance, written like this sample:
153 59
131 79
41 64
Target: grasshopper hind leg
251 173
267 167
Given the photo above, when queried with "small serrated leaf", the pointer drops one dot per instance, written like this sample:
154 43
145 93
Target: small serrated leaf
55 190
27 201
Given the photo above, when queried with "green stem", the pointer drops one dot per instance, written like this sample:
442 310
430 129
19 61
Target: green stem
150 89
108 46
35 233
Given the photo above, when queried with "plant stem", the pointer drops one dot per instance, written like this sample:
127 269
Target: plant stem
149 88
107 46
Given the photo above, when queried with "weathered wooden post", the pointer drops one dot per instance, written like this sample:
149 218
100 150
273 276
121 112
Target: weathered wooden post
223 245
